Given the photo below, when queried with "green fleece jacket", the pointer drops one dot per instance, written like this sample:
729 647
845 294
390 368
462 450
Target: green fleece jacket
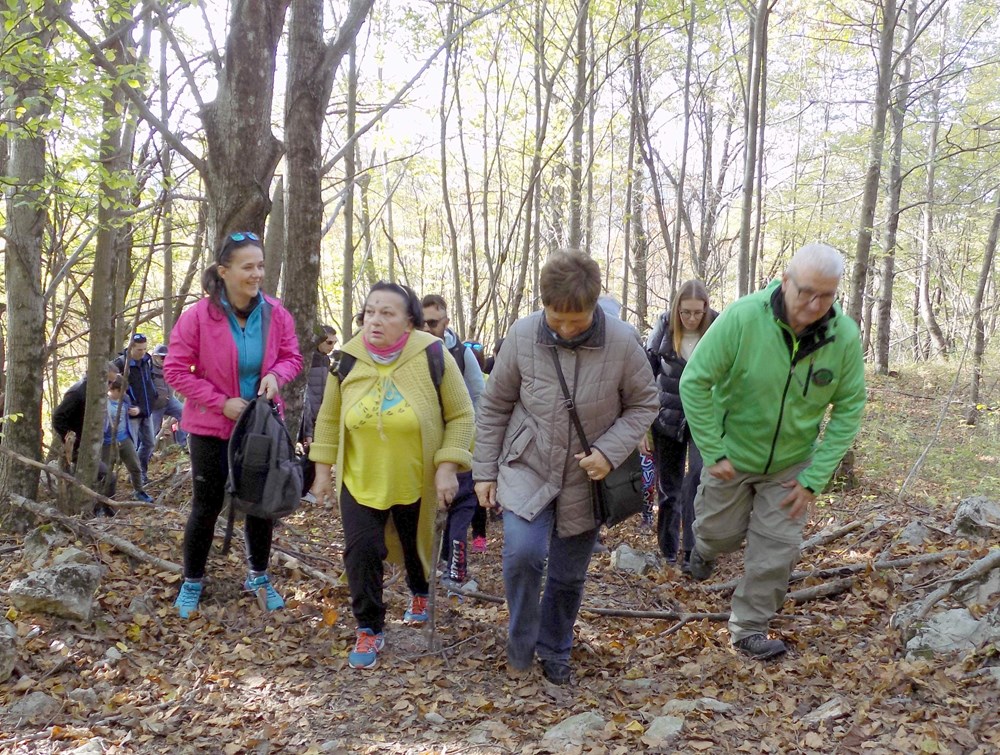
756 393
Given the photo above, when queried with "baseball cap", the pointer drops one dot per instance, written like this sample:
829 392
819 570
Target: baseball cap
160 351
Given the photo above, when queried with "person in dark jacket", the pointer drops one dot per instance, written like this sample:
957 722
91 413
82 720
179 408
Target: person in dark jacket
67 423
319 371
142 393
669 347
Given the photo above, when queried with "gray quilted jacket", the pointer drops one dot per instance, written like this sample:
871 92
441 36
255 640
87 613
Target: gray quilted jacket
525 439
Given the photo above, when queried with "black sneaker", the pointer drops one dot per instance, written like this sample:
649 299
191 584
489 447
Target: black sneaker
759 647
700 568
556 672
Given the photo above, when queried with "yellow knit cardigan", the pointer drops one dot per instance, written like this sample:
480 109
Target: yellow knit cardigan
446 438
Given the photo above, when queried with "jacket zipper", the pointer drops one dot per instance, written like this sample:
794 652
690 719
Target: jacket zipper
784 395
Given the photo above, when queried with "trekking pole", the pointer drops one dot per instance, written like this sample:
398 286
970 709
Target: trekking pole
440 520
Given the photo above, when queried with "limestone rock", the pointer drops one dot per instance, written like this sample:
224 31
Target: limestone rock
914 533
976 517
35 706
66 590
627 559
662 730
702 703
40 542
8 649
953 631
573 730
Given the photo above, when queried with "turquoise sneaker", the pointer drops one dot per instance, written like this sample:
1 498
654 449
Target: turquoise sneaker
188 598
367 646
267 596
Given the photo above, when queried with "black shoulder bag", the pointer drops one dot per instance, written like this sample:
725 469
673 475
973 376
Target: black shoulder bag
619 495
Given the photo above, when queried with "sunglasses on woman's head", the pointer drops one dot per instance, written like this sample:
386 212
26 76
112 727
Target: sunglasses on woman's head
243 236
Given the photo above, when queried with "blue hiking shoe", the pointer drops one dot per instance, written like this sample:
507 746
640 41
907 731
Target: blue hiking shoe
188 598
143 496
367 646
417 612
267 596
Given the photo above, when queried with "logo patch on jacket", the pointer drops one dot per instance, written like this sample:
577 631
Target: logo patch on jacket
823 377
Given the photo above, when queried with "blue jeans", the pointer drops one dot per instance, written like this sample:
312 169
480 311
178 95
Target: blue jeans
544 628
144 437
172 409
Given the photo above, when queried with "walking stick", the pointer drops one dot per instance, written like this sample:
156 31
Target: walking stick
440 520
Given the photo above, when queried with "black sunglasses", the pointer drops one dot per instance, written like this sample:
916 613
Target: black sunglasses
434 323
243 236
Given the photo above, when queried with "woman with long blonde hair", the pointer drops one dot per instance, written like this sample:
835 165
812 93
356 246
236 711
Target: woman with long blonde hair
669 347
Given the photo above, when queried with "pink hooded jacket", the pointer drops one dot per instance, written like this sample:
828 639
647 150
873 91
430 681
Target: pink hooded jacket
202 363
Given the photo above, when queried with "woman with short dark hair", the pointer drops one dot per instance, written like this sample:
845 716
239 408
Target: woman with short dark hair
398 440
530 462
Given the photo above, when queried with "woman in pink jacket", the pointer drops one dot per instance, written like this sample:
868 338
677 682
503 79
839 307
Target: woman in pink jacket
233 345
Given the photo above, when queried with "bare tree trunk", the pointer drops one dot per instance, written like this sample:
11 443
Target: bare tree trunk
900 105
869 200
242 150
29 101
456 272
630 171
312 67
756 248
685 139
114 160
347 320
275 240
926 309
579 105
979 332
756 59
166 155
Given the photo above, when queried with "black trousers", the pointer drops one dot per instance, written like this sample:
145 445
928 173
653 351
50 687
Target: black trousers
676 491
209 470
365 552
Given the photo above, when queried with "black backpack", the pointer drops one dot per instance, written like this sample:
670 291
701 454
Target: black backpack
265 477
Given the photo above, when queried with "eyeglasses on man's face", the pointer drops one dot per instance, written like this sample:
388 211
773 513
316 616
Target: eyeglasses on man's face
243 236
811 296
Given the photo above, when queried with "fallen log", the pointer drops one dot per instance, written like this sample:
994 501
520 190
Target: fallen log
987 563
82 529
847 569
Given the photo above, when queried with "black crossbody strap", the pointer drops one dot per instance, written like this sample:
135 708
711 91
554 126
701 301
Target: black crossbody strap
568 402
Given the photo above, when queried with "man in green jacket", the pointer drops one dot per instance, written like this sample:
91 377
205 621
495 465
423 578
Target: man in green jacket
755 394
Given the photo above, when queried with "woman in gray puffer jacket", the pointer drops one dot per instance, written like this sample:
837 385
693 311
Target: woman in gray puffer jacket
529 460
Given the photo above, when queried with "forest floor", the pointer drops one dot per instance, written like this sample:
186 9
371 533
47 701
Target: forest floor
232 680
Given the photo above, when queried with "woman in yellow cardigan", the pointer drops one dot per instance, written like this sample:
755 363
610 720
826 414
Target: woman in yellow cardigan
397 449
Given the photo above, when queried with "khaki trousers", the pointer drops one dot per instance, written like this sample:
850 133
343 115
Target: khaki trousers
748 507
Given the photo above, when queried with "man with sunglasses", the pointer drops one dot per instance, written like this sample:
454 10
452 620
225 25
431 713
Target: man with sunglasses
755 394
463 507
143 394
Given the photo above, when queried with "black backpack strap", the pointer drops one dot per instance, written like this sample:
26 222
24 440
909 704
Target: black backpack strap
344 366
458 351
435 363
228 539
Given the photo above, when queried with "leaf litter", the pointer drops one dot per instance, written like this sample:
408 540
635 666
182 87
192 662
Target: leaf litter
137 679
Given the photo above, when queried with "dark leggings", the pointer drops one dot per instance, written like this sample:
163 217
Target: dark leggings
209 470
365 551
